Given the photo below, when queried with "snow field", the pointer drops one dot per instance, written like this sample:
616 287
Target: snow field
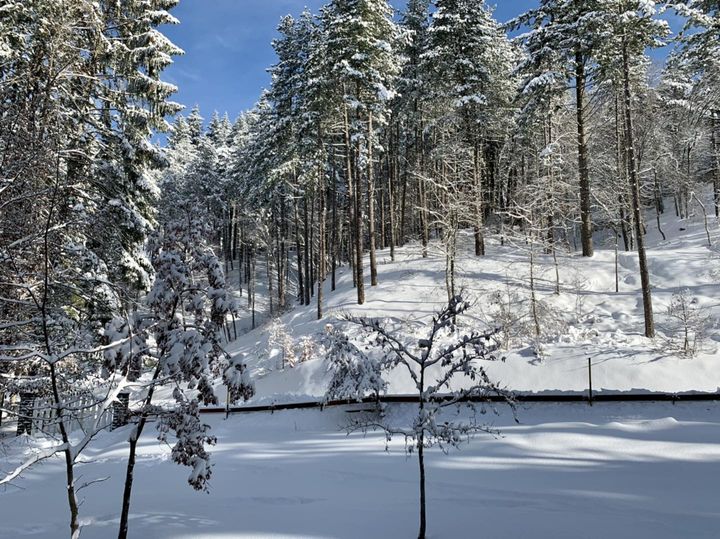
611 470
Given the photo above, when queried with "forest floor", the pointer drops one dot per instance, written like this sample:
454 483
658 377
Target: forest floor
565 471
587 319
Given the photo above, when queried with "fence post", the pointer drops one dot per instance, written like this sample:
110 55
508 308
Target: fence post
2 404
228 398
25 414
590 393
121 410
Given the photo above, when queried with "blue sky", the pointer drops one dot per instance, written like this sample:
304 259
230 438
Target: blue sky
227 48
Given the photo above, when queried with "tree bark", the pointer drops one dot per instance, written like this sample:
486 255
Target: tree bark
298 249
715 134
586 229
130 470
635 186
306 249
371 203
478 203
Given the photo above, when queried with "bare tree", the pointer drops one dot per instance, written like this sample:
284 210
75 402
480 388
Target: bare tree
434 363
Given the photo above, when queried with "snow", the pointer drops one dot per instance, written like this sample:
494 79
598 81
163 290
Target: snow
592 320
611 470
570 470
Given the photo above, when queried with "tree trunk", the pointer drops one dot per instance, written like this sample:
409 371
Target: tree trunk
421 464
392 180
306 249
354 208
130 470
281 258
478 203
321 254
269 272
321 234
585 211
371 202
658 201
335 234
252 284
715 133
298 248
533 296
635 185
421 451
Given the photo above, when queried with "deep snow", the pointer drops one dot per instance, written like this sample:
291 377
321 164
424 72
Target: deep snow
612 470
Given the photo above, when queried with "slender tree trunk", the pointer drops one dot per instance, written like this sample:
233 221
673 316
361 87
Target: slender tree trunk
478 203
321 229
306 248
281 258
421 453
130 470
382 201
335 234
658 200
241 259
371 203
359 243
313 247
617 273
533 296
269 273
715 133
422 195
298 248
635 185
252 284
321 252
354 208
421 465
392 180
57 399
583 170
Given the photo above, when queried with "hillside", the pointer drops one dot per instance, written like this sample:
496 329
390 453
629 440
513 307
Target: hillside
588 319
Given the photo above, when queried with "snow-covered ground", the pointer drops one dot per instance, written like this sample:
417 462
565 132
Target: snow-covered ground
588 319
612 470
566 471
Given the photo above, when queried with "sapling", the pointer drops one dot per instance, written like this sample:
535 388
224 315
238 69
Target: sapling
434 362
688 323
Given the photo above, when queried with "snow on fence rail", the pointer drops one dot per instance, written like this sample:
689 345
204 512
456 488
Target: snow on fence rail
529 398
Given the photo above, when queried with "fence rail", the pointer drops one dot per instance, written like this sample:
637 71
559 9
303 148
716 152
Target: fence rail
31 415
528 398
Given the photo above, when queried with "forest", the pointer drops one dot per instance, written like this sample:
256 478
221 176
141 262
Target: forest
139 241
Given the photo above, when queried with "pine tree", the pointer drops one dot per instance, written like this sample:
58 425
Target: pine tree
628 28
699 54
471 61
80 96
360 34
560 51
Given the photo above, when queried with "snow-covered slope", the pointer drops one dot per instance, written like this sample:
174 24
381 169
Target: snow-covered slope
588 319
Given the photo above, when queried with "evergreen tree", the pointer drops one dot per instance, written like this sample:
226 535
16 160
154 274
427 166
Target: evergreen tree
627 28
471 61
560 51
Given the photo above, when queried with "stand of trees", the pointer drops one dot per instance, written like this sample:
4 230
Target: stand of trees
379 130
